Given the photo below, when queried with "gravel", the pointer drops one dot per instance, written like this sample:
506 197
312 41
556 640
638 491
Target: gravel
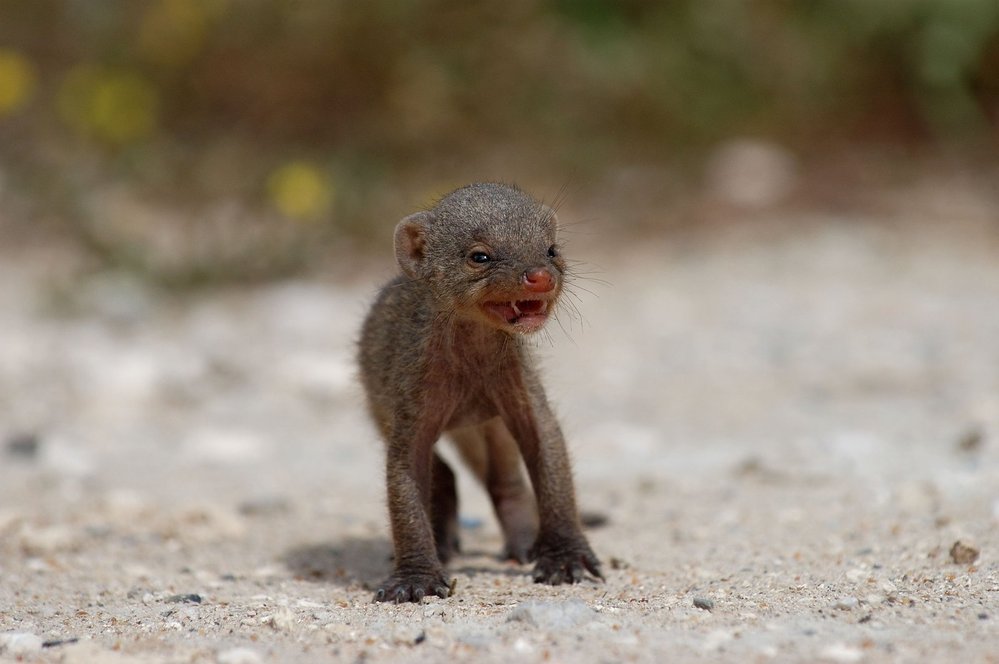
772 417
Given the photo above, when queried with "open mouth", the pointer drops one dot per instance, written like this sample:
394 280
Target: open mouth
528 315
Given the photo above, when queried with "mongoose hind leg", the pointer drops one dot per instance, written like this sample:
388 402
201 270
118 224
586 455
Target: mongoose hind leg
444 510
492 453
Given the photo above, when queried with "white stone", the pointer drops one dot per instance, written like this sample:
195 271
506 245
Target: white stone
283 619
47 540
552 615
847 603
224 446
18 644
840 652
239 656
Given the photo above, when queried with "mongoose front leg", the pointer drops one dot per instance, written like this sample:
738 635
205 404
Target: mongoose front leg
418 571
561 551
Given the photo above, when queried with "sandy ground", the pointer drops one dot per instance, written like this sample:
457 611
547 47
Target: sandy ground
788 424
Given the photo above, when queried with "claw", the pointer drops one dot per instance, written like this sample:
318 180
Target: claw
565 561
404 587
593 567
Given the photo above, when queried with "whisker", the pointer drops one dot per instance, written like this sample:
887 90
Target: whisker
567 333
573 272
575 315
546 334
560 197
582 288
585 276
571 309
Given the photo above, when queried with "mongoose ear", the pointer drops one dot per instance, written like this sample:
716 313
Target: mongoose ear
410 242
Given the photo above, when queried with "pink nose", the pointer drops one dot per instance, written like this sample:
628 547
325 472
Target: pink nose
539 280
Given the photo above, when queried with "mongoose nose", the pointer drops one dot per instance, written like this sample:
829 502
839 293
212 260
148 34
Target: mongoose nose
539 280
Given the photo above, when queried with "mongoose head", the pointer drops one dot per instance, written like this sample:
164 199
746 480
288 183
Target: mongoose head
487 253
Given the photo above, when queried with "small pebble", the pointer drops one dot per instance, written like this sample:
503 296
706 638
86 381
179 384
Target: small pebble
54 643
593 519
971 440
963 554
23 446
847 604
618 563
264 506
704 603
186 598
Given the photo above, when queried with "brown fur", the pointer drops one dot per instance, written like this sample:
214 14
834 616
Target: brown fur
434 360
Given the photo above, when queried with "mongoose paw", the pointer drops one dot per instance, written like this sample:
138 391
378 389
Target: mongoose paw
413 587
564 561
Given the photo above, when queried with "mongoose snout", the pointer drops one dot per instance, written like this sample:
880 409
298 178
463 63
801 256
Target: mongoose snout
539 280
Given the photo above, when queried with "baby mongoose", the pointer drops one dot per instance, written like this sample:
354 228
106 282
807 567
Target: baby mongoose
443 350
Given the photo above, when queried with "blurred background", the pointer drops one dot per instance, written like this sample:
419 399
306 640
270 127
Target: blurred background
199 141
776 368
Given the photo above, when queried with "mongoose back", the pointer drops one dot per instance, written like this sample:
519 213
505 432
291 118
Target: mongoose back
443 350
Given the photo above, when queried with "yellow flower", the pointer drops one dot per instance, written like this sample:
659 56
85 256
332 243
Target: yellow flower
17 81
300 190
115 106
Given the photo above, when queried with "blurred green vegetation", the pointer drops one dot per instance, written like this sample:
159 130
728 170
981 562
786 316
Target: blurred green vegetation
269 127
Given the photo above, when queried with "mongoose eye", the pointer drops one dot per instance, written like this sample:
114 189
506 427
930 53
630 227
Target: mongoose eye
552 251
478 257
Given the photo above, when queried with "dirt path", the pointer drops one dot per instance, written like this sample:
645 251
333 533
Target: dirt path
788 426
